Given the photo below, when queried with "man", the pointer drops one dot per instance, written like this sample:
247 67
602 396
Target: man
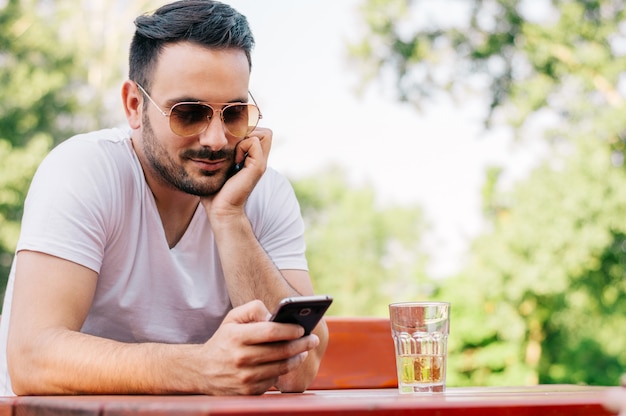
145 263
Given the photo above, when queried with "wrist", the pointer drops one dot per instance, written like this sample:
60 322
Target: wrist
228 221
183 371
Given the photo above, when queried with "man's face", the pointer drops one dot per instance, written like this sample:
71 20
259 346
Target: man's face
197 164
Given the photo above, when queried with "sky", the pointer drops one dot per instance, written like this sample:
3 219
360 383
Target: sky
305 89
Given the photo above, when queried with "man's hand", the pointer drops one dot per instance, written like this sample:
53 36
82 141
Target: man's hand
247 353
232 198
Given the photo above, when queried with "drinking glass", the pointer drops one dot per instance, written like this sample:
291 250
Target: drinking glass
420 335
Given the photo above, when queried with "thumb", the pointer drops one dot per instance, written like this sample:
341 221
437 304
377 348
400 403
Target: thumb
253 311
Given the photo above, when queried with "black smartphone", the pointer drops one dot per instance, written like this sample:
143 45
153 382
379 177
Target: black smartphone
302 310
237 167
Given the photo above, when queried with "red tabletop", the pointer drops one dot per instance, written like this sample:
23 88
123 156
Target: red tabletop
553 400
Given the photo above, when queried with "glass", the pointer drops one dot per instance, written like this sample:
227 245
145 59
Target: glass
191 118
420 336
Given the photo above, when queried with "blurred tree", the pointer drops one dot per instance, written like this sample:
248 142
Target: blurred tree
543 295
58 62
547 283
363 255
35 74
17 165
101 54
33 100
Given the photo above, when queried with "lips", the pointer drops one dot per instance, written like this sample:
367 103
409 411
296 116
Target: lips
209 165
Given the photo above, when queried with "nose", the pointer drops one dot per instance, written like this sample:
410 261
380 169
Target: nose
214 136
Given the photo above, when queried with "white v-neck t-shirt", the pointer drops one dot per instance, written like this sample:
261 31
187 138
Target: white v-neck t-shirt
89 203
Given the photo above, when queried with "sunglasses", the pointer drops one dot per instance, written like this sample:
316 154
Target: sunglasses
191 118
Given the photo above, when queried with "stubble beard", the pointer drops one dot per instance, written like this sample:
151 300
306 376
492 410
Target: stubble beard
174 174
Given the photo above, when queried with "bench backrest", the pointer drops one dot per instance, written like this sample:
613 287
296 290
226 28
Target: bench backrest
360 354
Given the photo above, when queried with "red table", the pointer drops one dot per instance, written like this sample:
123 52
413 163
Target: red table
552 400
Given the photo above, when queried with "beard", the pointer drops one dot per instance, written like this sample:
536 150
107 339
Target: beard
174 174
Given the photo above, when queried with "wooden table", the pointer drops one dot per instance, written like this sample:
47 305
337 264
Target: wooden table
552 400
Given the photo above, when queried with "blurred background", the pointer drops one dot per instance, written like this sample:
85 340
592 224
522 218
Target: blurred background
463 150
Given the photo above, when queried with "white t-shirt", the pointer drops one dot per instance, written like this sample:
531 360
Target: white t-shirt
89 203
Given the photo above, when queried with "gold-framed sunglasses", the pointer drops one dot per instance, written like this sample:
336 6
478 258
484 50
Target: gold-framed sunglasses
188 118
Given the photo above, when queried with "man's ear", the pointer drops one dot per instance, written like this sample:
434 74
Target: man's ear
132 99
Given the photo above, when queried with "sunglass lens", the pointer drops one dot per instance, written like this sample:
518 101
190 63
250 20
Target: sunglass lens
189 119
241 119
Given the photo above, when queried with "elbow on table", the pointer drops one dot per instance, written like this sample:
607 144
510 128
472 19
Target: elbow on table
27 371
23 389
296 381
24 377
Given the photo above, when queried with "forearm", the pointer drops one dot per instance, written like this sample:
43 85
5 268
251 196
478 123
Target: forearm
61 361
251 274
248 269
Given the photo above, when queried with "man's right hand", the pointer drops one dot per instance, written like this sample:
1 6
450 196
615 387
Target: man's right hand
247 353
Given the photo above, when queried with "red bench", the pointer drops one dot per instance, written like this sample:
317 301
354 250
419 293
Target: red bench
360 354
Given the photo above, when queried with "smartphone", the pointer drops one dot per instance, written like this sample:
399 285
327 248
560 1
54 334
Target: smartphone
237 167
302 310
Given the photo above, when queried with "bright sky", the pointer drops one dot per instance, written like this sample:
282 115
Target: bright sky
435 159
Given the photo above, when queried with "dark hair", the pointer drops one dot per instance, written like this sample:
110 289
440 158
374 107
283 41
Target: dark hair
207 23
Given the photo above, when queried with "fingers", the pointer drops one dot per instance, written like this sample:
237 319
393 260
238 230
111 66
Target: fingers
265 138
275 340
264 135
253 311
258 378
282 350
257 146
271 371
251 352
256 340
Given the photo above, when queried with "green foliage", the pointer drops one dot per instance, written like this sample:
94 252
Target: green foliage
17 167
549 280
53 85
525 61
35 74
34 102
542 298
363 255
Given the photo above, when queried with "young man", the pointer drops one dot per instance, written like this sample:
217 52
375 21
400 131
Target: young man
145 263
